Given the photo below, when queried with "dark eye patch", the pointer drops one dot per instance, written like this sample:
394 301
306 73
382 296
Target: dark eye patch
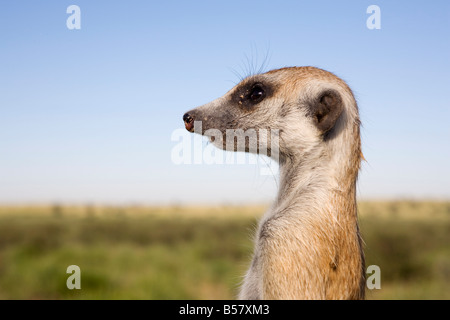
250 94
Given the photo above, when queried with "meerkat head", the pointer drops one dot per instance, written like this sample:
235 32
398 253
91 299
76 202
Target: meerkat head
297 110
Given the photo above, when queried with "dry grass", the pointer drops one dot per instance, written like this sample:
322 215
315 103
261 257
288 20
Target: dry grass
198 252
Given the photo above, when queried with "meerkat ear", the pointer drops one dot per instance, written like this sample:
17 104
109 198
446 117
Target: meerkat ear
326 109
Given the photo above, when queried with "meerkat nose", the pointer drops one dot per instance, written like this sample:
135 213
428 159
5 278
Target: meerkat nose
188 122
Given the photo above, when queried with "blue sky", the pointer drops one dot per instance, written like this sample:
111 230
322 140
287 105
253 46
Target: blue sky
86 116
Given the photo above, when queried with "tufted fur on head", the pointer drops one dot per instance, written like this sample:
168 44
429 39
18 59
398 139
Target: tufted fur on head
307 245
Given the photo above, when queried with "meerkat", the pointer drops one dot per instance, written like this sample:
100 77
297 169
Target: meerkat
308 244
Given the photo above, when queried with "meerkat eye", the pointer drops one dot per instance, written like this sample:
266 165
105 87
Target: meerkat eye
257 93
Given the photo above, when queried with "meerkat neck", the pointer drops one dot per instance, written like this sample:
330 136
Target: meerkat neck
323 173
322 201
311 179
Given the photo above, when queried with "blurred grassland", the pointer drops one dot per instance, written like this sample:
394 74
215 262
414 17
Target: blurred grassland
199 252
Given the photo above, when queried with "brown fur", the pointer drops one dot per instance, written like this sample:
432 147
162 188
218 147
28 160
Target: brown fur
308 245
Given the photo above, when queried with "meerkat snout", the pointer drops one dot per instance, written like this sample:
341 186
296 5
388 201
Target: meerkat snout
188 122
